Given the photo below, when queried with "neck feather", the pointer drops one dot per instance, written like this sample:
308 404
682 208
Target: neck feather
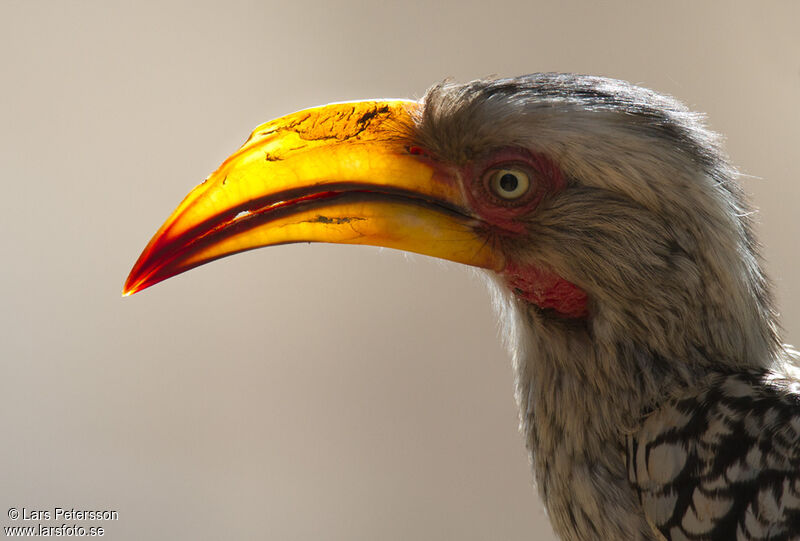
583 385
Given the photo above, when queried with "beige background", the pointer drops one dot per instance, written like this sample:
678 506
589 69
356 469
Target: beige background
301 392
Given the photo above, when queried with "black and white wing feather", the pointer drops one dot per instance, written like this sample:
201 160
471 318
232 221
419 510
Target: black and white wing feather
722 463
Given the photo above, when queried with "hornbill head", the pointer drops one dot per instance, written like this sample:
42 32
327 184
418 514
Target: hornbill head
603 209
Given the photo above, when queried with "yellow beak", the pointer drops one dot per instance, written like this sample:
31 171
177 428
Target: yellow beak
342 173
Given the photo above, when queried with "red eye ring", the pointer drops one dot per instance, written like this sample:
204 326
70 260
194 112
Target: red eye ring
505 203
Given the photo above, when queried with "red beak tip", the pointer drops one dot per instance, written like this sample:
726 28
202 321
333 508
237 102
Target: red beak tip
132 285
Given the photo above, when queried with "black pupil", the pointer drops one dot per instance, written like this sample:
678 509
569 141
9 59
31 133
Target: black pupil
509 182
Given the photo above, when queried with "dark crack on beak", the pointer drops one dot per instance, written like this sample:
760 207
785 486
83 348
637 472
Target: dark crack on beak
319 219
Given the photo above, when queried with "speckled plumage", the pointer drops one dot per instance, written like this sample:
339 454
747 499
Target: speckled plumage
722 460
673 410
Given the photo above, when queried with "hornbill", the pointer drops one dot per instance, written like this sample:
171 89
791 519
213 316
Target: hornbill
655 397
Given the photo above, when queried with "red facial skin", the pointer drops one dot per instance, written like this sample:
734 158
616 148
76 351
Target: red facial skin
536 285
547 290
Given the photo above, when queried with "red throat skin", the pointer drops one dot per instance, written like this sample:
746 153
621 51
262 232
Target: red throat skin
547 290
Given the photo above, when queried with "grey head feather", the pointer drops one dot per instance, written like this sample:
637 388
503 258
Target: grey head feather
653 223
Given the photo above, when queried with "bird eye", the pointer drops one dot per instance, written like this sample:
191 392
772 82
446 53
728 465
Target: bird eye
509 183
